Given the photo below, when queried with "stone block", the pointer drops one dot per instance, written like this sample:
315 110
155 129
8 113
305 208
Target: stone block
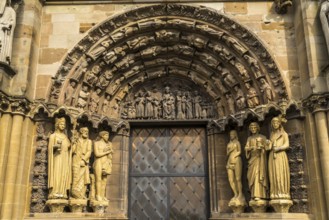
46 28
62 17
84 27
51 55
66 28
105 8
48 69
42 84
58 41
235 8
258 8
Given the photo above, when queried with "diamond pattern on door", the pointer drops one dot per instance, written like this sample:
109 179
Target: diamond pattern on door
148 153
187 150
167 173
187 198
148 198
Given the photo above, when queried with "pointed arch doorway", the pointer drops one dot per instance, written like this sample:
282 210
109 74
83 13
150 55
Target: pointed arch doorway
168 173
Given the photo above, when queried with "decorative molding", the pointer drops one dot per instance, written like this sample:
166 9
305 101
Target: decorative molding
14 105
203 46
317 102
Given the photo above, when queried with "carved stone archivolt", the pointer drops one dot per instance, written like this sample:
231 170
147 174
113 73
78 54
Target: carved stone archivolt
222 58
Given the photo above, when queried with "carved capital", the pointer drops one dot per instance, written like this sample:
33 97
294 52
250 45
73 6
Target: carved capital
317 102
15 105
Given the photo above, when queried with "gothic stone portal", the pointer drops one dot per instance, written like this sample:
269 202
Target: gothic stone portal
168 173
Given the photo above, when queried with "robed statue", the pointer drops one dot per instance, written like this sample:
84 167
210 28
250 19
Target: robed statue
278 165
7 26
257 164
59 162
81 150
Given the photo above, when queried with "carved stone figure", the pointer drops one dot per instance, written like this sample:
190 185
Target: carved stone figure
167 35
156 106
189 107
223 53
168 102
115 108
278 167
325 21
228 77
59 162
197 105
81 150
220 107
239 98
230 103
253 65
114 86
252 96
234 172
267 91
83 97
69 94
102 166
242 71
180 114
139 102
148 105
80 69
94 100
230 41
98 51
7 27
106 104
206 28
255 150
218 83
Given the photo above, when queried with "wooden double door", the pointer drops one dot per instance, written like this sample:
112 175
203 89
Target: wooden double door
168 173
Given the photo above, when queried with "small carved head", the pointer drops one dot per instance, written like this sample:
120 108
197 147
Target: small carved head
233 134
60 124
104 135
84 132
254 127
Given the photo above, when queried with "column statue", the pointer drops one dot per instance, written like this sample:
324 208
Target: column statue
278 167
81 150
7 26
102 165
59 167
257 169
234 172
324 10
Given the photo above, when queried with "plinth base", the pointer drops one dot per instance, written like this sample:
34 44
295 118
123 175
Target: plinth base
77 205
99 206
258 206
237 206
281 205
57 205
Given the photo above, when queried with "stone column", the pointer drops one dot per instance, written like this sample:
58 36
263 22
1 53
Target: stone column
124 170
5 131
323 144
23 169
11 169
214 209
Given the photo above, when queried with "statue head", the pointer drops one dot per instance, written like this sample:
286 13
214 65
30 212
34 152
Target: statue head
84 132
104 135
233 134
60 124
254 127
276 123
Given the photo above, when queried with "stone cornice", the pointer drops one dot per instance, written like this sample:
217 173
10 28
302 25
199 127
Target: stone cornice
317 102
